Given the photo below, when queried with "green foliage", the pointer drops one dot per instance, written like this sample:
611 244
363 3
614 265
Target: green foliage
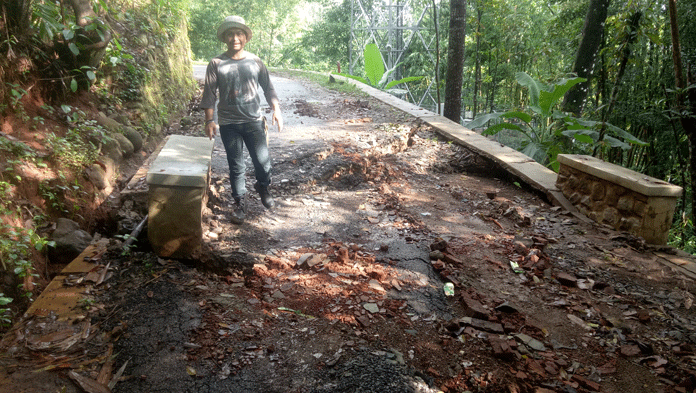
115 54
70 154
86 303
46 18
589 132
377 76
277 26
5 314
325 41
131 79
323 81
127 249
54 24
53 197
548 131
682 235
62 196
71 151
168 14
15 96
17 243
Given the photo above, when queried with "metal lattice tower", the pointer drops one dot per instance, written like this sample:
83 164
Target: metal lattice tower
393 25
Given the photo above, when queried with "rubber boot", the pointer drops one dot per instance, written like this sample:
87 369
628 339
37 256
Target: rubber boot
240 208
265 195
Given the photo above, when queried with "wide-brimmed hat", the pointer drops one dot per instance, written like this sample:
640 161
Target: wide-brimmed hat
230 22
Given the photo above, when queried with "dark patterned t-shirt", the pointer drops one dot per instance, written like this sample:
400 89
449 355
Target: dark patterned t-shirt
237 82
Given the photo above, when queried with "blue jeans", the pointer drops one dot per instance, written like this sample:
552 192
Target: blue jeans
255 137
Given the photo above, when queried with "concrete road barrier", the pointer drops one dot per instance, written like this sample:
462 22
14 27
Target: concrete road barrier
178 182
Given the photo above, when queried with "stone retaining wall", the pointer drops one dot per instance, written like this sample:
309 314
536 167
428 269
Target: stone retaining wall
623 199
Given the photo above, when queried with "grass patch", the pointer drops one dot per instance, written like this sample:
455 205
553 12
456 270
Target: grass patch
320 78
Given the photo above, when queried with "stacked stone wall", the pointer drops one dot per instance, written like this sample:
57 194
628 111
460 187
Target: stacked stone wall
617 206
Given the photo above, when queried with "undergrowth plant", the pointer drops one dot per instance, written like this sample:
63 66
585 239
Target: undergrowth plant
73 150
548 131
16 242
682 235
5 313
377 75
71 153
52 23
16 95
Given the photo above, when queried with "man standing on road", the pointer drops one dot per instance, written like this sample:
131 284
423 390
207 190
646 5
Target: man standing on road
237 75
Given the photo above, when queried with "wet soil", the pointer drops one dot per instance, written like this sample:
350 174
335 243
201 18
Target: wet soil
341 287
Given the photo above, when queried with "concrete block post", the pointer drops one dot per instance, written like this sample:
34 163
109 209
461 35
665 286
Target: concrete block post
178 182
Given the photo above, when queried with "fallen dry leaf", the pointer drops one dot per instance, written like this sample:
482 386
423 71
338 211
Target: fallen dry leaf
88 384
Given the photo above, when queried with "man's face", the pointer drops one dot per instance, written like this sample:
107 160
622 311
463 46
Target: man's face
235 38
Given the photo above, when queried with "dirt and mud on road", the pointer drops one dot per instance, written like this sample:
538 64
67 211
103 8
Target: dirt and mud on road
342 287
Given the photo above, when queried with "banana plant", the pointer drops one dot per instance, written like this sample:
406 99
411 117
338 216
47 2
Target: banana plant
549 131
377 75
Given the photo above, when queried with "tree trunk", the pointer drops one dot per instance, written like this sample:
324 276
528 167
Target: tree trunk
686 103
437 56
477 72
601 92
455 60
633 25
15 20
16 16
592 33
493 86
84 14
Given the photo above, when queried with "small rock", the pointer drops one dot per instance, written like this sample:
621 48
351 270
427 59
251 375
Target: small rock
472 308
567 279
363 320
373 308
437 254
579 322
449 258
375 285
501 348
520 248
506 308
303 258
69 240
630 350
438 245
433 372
643 316
587 384
586 283
530 342
438 265
480 325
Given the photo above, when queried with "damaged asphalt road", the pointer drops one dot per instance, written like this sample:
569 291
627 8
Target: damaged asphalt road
341 287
